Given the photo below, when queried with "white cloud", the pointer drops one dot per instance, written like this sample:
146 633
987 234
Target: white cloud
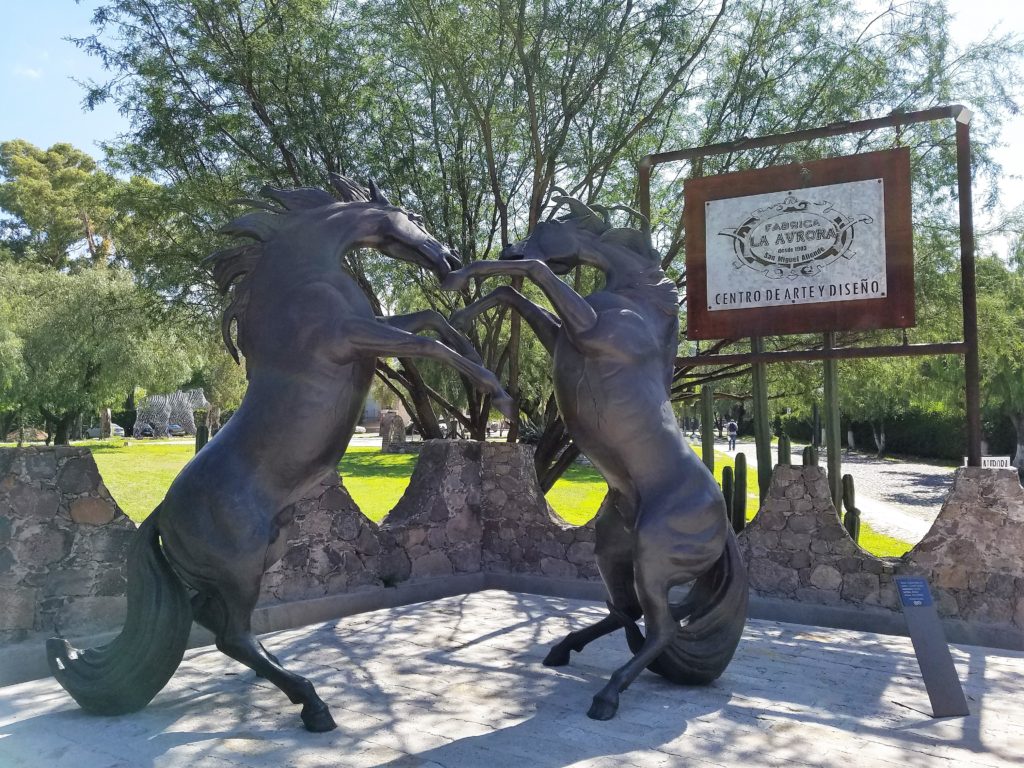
29 72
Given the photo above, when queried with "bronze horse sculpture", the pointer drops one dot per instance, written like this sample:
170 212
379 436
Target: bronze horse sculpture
310 340
663 522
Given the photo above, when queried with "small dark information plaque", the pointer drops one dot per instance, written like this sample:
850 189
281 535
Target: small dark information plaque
930 647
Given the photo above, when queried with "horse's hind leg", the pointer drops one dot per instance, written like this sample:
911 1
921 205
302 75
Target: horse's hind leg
208 614
614 554
662 559
235 639
652 591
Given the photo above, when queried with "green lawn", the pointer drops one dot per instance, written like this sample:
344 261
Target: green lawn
138 476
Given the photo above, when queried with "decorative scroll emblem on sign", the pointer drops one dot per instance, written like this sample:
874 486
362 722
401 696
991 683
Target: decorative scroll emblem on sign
816 245
794 237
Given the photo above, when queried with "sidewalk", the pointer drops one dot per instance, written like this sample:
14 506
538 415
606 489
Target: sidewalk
898 498
458 683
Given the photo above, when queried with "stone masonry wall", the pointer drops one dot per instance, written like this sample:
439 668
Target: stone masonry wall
796 547
477 507
469 507
974 553
973 556
63 544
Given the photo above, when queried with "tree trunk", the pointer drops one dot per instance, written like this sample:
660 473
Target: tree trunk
878 431
63 425
1018 426
213 419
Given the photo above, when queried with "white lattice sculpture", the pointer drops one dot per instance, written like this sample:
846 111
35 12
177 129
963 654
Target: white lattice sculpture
176 408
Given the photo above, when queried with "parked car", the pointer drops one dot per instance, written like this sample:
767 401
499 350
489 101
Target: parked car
115 431
146 430
176 430
360 429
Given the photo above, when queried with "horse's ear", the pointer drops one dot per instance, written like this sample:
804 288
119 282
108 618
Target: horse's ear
582 215
350 191
376 195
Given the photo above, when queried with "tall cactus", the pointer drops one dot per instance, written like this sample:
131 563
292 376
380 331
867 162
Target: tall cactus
739 493
785 450
851 520
810 456
727 491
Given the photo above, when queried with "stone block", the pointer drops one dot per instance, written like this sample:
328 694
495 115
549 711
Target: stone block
78 475
826 577
433 563
30 502
465 559
770 577
580 553
795 491
394 567
92 511
464 527
858 587
801 523
559 569
17 609
799 560
798 542
41 464
93 614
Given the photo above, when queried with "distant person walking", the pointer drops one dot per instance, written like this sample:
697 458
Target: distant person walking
731 429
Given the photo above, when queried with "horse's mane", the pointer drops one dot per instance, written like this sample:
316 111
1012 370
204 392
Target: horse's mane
654 285
232 267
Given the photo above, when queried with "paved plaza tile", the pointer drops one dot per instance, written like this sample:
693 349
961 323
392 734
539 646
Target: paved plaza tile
459 682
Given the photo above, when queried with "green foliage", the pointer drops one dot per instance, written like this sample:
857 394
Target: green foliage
58 198
84 340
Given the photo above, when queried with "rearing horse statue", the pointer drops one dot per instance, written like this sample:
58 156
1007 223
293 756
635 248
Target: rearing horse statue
663 522
310 340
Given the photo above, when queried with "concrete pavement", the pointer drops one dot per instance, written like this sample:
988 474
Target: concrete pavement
458 683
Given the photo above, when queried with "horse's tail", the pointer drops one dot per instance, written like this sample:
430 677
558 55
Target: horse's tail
124 675
716 611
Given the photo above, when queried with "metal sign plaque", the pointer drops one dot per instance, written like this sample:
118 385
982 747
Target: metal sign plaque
797 247
817 246
940 678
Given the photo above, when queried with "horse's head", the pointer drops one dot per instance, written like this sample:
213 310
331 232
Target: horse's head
318 228
583 236
399 233
391 229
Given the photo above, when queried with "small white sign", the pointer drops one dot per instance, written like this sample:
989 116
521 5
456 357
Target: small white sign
993 462
807 246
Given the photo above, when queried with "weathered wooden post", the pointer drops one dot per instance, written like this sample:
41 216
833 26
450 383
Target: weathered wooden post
762 429
707 426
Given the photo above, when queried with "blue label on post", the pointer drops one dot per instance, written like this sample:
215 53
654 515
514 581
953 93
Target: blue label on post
914 591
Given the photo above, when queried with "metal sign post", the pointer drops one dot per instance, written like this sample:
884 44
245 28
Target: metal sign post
733 321
937 668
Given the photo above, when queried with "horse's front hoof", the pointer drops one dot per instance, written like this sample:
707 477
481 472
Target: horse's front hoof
603 709
557 657
317 718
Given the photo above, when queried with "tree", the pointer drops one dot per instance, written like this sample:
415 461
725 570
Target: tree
472 112
1001 343
84 340
58 198
223 381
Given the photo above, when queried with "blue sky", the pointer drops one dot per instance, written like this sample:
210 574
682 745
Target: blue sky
43 103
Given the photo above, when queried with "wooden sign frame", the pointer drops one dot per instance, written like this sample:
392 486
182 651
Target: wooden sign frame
894 310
